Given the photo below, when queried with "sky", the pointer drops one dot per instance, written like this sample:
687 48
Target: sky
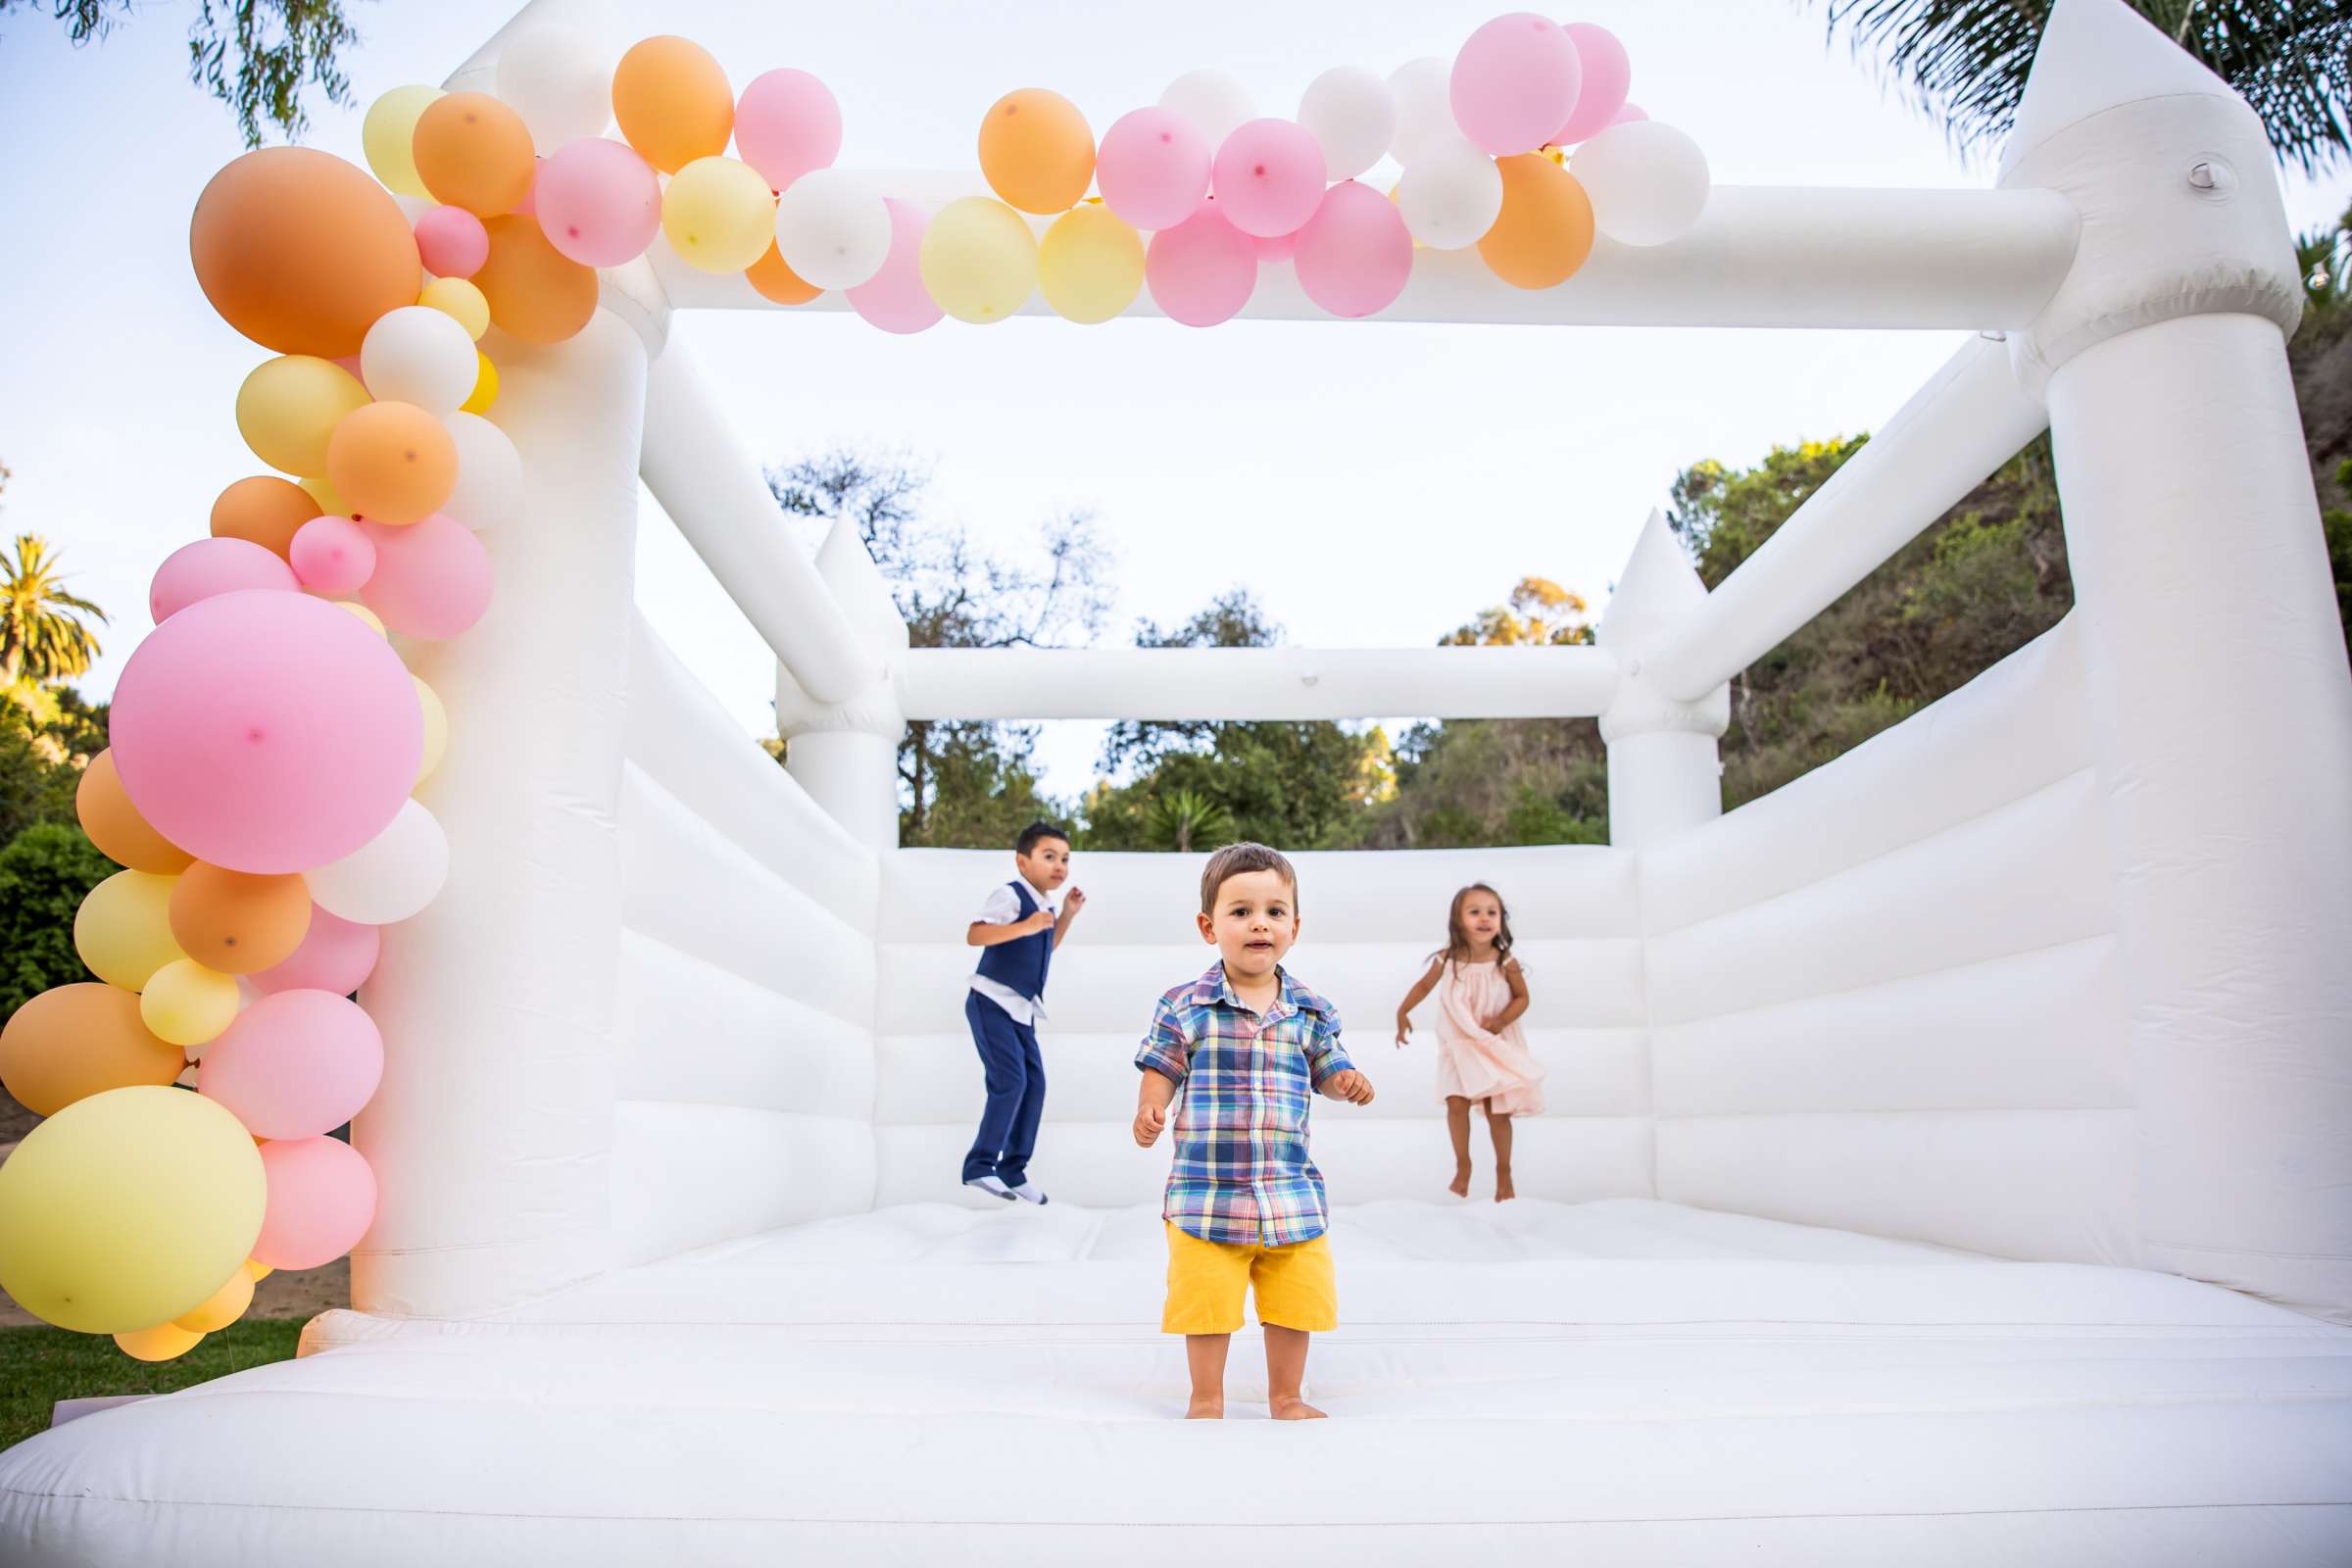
1373 483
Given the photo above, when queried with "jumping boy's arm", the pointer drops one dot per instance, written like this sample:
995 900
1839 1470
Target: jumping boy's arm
1071 902
981 934
1415 997
1517 981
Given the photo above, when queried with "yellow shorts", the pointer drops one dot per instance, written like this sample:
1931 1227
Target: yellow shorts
1294 1285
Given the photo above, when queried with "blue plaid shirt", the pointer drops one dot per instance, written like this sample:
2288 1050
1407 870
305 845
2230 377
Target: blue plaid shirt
1242 1174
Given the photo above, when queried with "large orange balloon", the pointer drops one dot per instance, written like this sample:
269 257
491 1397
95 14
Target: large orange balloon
263 509
116 826
672 102
1037 151
536 292
301 251
393 463
239 923
776 281
1545 230
474 151
81 1039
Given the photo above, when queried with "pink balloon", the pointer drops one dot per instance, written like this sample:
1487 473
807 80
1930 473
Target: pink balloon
336 955
212 567
1515 82
1153 168
787 124
431 579
1355 253
266 731
597 202
295 1064
350 364
1268 176
1606 74
332 556
895 299
1628 115
1278 247
322 1200
1204 269
452 242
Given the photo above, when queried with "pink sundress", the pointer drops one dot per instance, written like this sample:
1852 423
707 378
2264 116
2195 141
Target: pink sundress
1477 1064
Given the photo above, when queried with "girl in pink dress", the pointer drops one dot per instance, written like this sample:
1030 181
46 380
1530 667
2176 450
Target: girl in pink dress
1482 1055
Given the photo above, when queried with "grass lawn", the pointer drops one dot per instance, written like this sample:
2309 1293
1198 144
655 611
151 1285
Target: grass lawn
41 1365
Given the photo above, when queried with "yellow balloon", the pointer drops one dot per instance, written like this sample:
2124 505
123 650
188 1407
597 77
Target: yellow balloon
367 617
458 299
485 385
161 1342
388 136
258 1272
321 490
979 259
719 214
221 1308
289 406
1089 264
127 1209
123 928
436 729
187 1004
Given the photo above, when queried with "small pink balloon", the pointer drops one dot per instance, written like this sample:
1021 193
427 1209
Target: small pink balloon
1268 177
1202 271
597 202
336 955
1628 115
1515 83
1355 254
294 1065
1278 247
786 124
452 242
332 556
266 732
212 567
895 299
322 1200
1153 168
431 578
1606 75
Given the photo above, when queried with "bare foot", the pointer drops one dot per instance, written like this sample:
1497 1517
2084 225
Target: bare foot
1205 1407
1460 1187
1505 1192
1293 1408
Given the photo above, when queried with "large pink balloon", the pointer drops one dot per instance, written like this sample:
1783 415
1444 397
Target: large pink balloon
1628 115
332 556
1515 82
1202 271
266 731
1606 75
597 202
452 242
336 954
212 567
1355 254
786 124
294 1065
1153 168
431 578
1268 177
895 299
322 1200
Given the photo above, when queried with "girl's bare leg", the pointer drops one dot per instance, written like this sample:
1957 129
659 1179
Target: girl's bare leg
1204 1356
1501 1127
1458 1124
1286 1369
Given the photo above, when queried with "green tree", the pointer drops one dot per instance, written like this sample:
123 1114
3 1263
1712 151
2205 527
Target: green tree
1539 614
45 872
2338 524
1182 820
43 634
34 788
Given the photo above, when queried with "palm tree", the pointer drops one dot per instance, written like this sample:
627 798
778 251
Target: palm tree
42 637
1181 818
1965 60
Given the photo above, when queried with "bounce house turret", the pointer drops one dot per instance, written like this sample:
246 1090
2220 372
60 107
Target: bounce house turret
1664 769
845 754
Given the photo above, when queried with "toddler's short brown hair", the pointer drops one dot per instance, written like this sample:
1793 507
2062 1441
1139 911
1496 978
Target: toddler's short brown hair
1239 860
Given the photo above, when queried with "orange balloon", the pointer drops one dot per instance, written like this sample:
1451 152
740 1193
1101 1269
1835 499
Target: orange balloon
263 509
672 102
392 461
239 923
301 251
474 151
1037 151
1545 230
536 292
78 1041
116 826
776 281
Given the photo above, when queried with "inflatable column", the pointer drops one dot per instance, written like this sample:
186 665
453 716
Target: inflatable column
1665 769
2219 705
846 753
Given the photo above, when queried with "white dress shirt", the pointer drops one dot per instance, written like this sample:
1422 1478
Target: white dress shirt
1003 908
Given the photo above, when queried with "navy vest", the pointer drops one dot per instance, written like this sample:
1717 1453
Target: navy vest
1021 965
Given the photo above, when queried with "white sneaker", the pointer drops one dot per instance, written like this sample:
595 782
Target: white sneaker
989 1184
1029 1193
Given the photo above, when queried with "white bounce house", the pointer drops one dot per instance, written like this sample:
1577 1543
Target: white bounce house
1951 1154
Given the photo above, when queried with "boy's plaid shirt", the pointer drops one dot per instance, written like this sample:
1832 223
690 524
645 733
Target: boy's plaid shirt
1242 1174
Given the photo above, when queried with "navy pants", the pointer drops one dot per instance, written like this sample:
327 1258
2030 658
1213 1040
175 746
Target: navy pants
1016 1092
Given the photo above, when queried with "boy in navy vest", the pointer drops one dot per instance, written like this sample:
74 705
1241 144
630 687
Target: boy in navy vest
1016 932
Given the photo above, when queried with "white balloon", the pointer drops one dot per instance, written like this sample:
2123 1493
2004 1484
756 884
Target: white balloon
1353 115
489 488
560 80
418 355
1423 93
1648 182
832 229
391 876
1450 195
1214 101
